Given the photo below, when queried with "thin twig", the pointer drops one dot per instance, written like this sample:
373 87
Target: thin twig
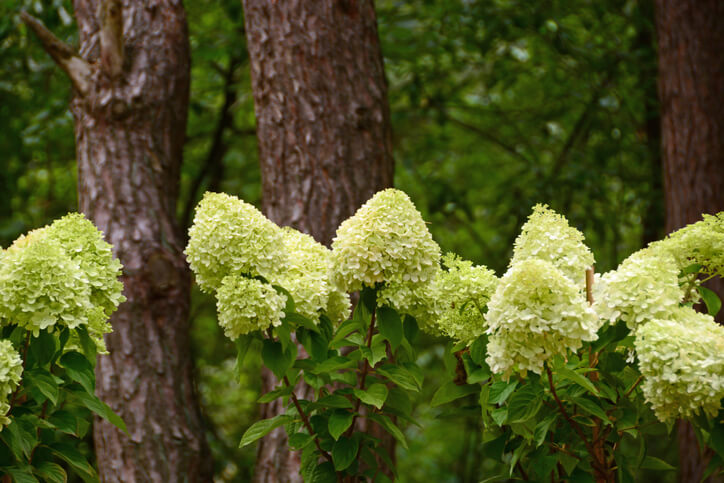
305 420
633 386
365 370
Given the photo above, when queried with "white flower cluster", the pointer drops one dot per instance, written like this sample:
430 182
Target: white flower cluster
416 299
699 243
682 360
644 287
11 368
246 305
307 278
63 274
548 236
535 313
463 294
231 237
385 241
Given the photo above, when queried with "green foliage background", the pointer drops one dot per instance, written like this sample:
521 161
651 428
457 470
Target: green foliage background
496 105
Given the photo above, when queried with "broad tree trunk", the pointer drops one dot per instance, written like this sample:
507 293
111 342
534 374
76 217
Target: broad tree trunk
691 90
320 99
131 88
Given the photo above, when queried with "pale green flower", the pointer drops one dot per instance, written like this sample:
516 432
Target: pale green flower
11 369
699 243
548 236
535 313
644 287
385 241
682 360
246 305
416 299
307 278
463 294
231 237
84 243
41 286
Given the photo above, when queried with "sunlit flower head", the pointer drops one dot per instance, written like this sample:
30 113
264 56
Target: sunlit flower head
682 361
385 241
247 305
231 237
548 236
418 300
535 313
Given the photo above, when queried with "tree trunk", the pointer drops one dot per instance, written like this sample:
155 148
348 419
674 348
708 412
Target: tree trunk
130 128
691 90
320 99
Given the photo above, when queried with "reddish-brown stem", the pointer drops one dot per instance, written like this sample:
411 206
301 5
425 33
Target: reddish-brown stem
305 420
633 386
365 370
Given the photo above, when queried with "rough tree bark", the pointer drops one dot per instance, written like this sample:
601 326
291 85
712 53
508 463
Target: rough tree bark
691 90
320 99
131 88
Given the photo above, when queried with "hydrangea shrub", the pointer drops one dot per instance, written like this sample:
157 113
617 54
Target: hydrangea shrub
569 369
58 287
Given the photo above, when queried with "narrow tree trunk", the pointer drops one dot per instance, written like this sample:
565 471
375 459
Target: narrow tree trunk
691 90
130 128
320 98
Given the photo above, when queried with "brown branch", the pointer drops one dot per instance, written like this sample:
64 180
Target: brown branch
111 37
306 422
77 69
365 370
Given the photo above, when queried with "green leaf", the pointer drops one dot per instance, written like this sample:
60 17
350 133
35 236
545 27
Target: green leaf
581 380
21 437
390 326
390 427
242 343
500 390
410 328
22 475
339 422
479 349
261 428
299 441
74 458
51 472
276 358
344 453
450 391
67 422
375 395
524 404
335 401
323 473
301 321
101 409
716 439
346 328
333 364
711 299
592 408
653 463
44 382
499 415
541 429
79 370
276 393
400 376
43 347
87 345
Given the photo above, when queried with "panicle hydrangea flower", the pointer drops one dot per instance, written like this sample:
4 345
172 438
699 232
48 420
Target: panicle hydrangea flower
464 292
231 237
418 300
307 277
385 241
84 243
700 243
40 285
247 304
682 361
535 313
11 368
548 236
644 287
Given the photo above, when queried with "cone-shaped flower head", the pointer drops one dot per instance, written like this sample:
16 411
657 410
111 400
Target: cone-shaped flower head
644 287
548 236
700 243
535 313
11 368
463 293
385 241
84 243
231 237
682 361
246 305
40 285
307 278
